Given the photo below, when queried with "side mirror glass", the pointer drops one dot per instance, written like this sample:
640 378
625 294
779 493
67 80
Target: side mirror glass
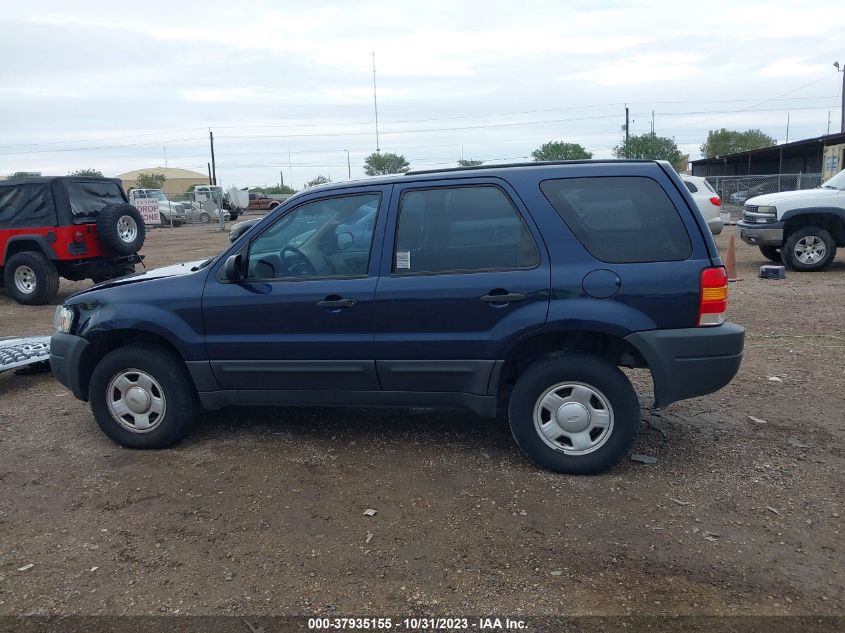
344 240
232 268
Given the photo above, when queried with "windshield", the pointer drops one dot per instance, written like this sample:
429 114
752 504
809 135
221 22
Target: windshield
837 182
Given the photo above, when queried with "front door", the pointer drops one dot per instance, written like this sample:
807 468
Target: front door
302 318
463 273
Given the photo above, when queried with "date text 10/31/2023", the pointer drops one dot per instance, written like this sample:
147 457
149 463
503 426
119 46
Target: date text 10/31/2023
416 624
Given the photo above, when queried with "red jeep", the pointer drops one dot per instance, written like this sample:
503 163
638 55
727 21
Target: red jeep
71 227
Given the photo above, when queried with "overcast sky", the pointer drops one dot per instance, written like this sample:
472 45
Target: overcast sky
287 86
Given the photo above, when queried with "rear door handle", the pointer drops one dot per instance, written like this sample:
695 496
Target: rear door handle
334 302
503 297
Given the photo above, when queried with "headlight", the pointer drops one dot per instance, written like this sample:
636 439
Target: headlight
63 319
767 210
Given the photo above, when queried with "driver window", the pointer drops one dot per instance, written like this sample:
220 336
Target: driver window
326 238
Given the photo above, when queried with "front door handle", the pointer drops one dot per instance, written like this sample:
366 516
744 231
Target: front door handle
335 302
502 296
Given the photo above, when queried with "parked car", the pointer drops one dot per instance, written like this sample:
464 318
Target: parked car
739 197
801 228
171 212
71 227
202 212
509 288
708 201
260 202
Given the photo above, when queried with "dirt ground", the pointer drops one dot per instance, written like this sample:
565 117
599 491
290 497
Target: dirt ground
260 511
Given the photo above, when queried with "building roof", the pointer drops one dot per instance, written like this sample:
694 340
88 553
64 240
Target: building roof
826 139
172 173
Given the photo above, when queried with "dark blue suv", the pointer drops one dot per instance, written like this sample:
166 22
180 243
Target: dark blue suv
520 288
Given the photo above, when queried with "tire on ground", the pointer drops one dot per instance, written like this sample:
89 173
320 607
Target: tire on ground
43 272
120 228
177 392
589 370
772 253
816 242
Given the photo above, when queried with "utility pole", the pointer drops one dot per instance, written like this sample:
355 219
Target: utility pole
652 122
213 166
627 122
281 178
375 101
842 107
209 174
828 122
290 170
787 127
348 165
164 149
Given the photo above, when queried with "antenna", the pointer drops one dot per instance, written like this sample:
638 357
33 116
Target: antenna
375 101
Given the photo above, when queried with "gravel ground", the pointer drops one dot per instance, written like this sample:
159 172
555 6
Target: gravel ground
261 511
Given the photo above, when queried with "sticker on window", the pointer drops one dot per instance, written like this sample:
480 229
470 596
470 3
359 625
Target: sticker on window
403 260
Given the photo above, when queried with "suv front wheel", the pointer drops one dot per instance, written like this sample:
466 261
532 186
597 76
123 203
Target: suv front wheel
31 278
142 397
810 248
574 413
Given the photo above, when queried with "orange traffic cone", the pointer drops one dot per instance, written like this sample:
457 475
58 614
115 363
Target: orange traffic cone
730 261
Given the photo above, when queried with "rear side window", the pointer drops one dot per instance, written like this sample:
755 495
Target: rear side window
620 219
692 188
88 198
461 229
26 206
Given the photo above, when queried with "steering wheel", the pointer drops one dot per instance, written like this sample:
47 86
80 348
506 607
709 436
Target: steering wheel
301 268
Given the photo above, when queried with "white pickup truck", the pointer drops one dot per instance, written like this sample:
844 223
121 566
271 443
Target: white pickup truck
801 228
170 212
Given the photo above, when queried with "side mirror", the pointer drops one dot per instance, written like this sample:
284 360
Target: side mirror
344 240
232 269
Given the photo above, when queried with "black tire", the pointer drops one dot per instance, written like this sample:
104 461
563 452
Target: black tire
40 269
205 217
601 377
120 229
772 253
174 387
813 234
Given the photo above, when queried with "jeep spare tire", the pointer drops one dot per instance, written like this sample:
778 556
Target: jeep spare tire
120 229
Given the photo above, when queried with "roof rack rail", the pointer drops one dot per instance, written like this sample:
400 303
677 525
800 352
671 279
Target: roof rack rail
528 164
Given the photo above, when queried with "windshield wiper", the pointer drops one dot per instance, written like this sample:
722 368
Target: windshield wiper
202 264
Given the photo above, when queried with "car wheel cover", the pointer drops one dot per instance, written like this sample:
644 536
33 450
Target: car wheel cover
127 229
25 280
810 250
573 418
136 401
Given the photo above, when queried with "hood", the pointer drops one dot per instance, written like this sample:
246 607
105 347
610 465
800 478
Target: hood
175 270
784 196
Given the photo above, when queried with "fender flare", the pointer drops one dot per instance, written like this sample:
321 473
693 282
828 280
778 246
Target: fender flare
42 242
794 213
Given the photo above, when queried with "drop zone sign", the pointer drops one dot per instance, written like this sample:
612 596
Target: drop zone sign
148 210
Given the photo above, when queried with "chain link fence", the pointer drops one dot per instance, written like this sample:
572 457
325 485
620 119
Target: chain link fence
735 190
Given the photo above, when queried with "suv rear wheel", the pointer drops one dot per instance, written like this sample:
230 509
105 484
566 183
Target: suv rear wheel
809 248
142 397
31 278
574 413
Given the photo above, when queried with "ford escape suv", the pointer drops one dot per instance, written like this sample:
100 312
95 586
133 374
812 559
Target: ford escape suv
519 289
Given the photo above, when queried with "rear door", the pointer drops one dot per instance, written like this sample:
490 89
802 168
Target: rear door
463 272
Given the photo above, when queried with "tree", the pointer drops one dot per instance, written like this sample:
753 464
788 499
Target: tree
558 150
649 146
87 172
150 180
469 162
24 174
378 164
277 189
319 180
724 141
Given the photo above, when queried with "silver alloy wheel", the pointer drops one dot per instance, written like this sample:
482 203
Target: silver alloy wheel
25 280
135 400
810 249
573 418
127 230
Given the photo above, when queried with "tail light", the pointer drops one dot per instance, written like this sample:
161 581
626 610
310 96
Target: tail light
713 301
78 237
716 201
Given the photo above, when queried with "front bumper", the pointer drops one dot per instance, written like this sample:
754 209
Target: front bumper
690 362
66 352
761 234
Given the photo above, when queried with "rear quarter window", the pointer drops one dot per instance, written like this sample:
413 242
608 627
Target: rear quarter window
623 219
26 205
